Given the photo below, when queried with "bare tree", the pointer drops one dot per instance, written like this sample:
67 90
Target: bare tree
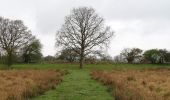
68 55
83 30
13 35
119 59
32 51
131 54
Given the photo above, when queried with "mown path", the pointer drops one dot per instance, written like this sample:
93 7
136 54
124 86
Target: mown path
77 85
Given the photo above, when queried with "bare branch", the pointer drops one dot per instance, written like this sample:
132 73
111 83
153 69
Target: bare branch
82 31
13 36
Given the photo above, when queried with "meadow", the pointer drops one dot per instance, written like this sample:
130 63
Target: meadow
140 80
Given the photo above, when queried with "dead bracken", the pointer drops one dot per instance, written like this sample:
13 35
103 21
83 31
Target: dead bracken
148 84
24 84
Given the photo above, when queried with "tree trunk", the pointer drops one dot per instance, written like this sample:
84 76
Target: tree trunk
130 61
82 59
82 53
9 58
81 63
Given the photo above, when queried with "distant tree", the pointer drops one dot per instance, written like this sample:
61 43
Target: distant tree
49 58
156 55
82 31
168 57
32 51
91 59
106 58
152 55
164 55
102 56
119 59
1 56
13 35
131 54
68 55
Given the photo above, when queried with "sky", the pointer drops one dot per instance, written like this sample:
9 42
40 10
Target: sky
143 24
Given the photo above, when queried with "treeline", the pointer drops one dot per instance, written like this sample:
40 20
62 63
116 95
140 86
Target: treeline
127 55
70 56
136 55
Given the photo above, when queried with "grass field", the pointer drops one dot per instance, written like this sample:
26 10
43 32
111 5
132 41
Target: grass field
78 84
87 66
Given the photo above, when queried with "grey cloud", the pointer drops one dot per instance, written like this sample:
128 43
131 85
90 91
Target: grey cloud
137 23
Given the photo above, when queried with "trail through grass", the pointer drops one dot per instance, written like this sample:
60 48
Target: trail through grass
77 85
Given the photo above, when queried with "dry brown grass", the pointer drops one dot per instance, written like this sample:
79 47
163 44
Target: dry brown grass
23 84
153 84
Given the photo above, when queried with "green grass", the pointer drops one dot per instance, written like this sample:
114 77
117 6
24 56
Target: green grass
87 66
78 85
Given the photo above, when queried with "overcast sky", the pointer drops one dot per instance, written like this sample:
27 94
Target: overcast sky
137 23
